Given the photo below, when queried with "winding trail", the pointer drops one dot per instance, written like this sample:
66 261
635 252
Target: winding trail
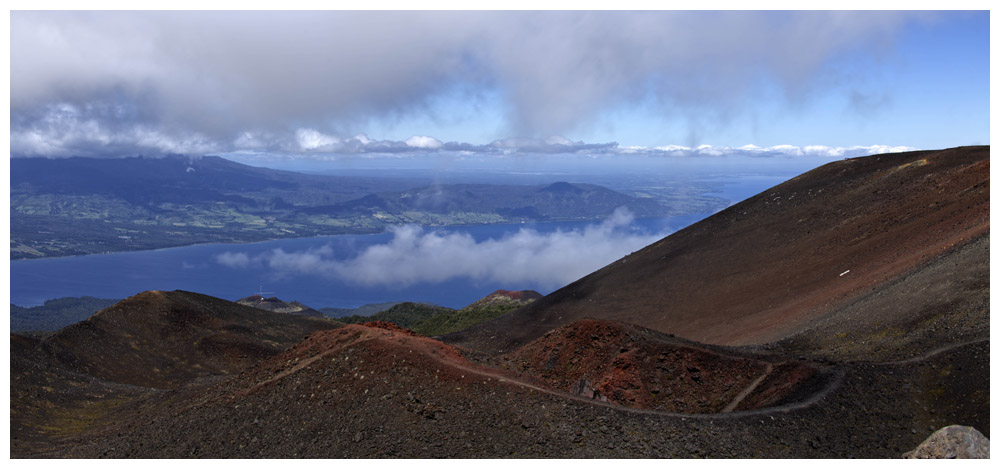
929 354
749 389
835 379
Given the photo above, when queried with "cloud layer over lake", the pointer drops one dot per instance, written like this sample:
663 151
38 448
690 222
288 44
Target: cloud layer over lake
416 255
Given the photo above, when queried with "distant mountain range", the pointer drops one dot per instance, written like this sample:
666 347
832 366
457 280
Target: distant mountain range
425 318
363 310
86 205
432 320
842 314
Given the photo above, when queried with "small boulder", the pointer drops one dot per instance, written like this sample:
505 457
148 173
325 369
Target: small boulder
952 442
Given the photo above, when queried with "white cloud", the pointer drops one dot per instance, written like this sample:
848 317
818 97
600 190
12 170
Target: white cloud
775 150
312 260
228 80
418 141
66 130
310 139
233 259
786 150
415 256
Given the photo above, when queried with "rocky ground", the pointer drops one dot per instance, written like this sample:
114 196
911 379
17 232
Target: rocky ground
371 392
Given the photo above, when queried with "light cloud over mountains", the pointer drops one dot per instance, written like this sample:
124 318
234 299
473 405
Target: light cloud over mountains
126 83
417 146
416 256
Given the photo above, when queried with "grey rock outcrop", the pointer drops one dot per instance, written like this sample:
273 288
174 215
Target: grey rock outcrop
952 442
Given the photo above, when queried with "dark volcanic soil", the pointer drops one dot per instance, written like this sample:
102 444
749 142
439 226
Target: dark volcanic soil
85 375
163 339
370 392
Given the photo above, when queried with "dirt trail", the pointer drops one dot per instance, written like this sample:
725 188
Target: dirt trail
749 389
505 378
937 351
836 381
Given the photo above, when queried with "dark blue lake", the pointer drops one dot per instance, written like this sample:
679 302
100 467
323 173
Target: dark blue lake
199 268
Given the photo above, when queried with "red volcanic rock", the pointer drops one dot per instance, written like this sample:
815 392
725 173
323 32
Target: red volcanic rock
637 367
388 326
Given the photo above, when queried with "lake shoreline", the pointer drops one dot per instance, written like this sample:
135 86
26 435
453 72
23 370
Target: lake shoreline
360 233
198 268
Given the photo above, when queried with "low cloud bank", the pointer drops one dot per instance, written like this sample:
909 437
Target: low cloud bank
415 256
69 131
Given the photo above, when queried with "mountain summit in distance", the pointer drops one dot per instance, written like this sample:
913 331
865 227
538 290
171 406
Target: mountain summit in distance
275 305
74 206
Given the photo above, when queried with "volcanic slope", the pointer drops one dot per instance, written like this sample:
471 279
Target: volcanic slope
110 366
847 250
162 339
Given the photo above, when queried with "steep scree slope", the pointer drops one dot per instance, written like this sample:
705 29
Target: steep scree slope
803 251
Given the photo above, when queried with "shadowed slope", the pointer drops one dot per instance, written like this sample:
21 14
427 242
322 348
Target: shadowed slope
775 264
163 339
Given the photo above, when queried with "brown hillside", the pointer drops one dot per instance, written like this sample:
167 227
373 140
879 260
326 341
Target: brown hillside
797 256
163 339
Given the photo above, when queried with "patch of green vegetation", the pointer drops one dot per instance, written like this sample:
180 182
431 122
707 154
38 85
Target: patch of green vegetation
363 310
453 321
71 421
402 315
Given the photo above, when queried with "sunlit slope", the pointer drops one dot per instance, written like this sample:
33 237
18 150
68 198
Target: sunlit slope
799 255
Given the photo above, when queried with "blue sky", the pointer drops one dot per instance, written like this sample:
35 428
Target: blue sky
126 83
930 89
